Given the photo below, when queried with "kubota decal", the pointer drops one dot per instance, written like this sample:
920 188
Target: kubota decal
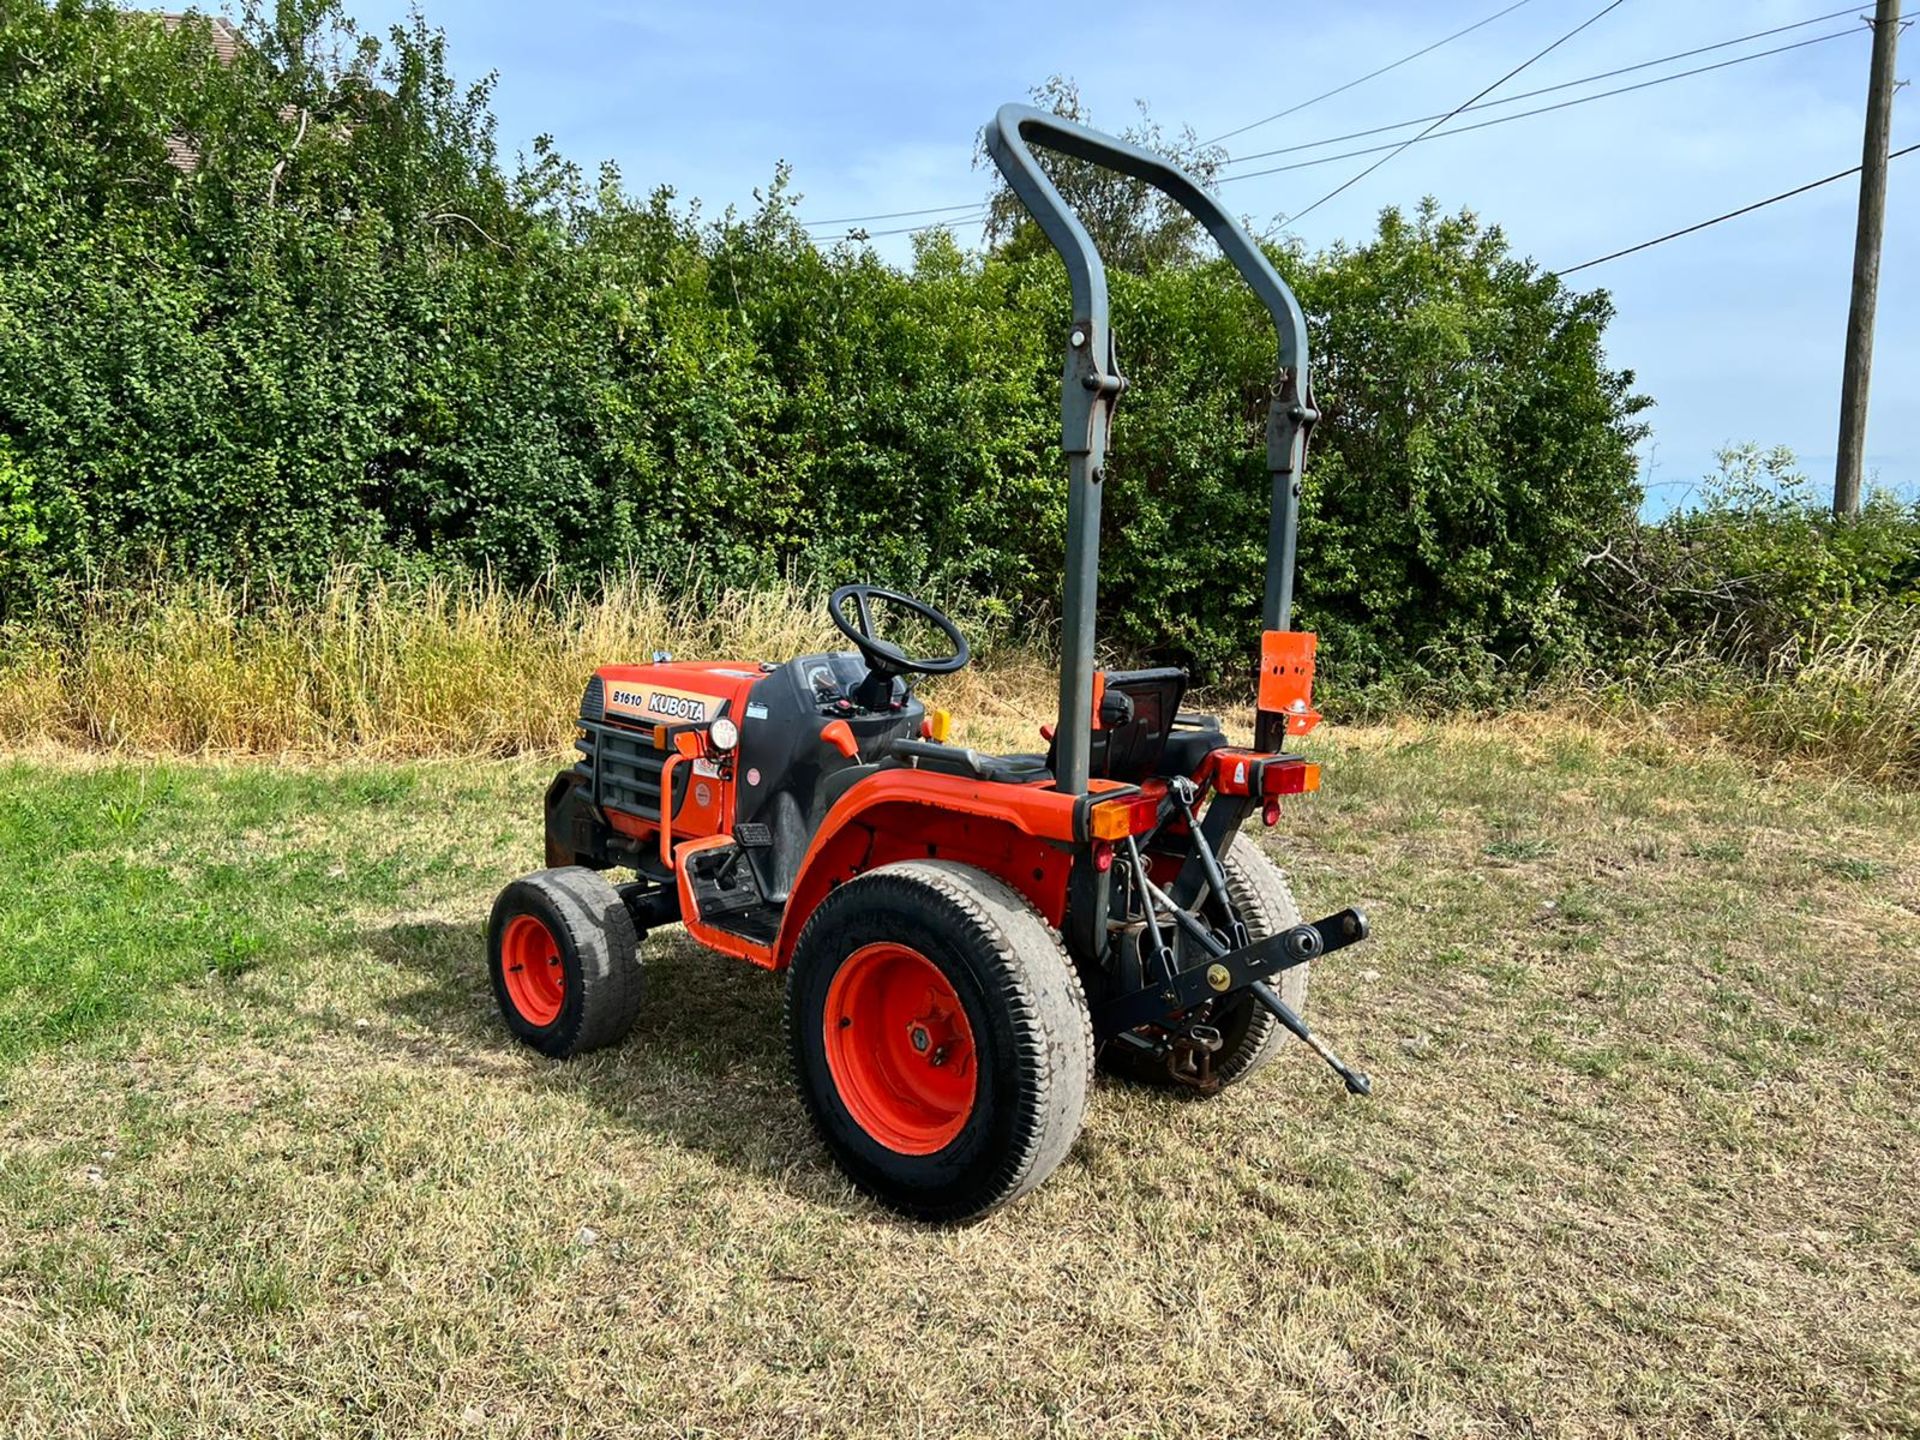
658 704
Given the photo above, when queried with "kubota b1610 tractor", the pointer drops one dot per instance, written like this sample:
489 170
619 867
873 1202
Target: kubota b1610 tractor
964 935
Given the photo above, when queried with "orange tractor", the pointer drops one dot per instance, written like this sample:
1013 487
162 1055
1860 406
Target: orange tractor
965 936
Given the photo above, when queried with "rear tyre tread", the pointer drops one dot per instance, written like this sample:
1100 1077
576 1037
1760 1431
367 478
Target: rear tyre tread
1264 899
1262 894
1038 990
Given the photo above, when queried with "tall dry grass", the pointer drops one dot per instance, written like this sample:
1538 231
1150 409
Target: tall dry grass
387 667
400 668
1848 702
406 668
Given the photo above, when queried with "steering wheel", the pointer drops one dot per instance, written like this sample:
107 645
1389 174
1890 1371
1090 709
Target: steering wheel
883 657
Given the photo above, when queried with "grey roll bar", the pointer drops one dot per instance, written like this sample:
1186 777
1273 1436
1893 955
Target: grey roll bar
1091 384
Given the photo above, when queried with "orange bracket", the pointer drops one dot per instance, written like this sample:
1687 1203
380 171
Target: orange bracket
666 807
686 746
1286 678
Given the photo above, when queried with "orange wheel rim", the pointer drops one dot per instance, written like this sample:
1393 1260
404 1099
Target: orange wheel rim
900 1048
530 961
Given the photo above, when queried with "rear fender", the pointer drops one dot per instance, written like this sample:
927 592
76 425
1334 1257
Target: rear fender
1026 835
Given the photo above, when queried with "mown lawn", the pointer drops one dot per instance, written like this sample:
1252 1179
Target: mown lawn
1643 1153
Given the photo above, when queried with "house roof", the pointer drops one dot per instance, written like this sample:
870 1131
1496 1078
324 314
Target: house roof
226 39
227 44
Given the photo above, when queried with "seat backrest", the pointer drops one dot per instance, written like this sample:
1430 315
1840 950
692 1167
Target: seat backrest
1135 716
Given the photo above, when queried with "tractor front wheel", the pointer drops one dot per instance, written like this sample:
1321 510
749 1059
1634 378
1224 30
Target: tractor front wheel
565 961
939 1037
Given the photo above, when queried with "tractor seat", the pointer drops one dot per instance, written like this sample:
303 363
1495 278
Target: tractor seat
959 760
1194 738
1136 718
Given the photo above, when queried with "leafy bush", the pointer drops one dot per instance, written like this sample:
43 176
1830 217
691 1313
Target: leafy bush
344 331
1758 568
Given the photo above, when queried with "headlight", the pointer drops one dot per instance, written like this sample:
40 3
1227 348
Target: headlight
723 734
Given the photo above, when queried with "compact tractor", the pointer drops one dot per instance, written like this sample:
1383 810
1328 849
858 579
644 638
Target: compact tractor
964 935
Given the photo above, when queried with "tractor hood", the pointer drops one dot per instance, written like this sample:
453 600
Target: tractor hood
669 692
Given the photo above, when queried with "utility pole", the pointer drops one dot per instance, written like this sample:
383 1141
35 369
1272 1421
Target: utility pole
1855 377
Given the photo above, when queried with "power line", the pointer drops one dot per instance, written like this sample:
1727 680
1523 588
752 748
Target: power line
1370 75
1401 124
1730 215
1522 114
1253 125
894 214
1348 184
978 206
1550 89
979 219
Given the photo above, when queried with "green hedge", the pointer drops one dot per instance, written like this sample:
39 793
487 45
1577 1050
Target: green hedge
1753 571
351 332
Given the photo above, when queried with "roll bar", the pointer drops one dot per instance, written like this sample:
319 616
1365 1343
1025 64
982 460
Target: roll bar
1091 384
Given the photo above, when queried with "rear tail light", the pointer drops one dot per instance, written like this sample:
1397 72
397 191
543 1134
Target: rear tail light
1290 779
1117 819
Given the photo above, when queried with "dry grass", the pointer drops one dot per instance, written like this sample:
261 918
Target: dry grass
1854 698
396 669
369 666
1641 1157
1847 703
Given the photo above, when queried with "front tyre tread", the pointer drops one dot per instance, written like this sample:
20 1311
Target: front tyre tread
599 952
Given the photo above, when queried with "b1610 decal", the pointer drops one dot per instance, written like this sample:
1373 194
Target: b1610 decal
660 704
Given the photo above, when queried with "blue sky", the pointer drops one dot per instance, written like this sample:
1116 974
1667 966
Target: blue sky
1736 332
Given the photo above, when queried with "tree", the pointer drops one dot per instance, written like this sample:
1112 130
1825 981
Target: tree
348 331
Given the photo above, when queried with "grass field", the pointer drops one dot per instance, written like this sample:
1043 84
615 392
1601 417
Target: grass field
1642 1158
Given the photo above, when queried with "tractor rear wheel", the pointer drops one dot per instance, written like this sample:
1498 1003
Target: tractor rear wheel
1251 1036
940 1039
565 961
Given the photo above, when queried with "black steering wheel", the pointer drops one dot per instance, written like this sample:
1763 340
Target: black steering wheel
883 657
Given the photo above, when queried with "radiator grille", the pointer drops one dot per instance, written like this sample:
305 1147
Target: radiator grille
622 769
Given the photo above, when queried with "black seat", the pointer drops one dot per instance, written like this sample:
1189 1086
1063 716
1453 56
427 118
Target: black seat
1137 711
1141 733
958 760
1194 738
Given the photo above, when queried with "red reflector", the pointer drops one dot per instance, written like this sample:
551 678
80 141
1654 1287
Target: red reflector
1102 856
1270 812
1290 779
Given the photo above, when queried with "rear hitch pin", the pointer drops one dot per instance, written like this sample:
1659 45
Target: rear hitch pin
1190 1057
